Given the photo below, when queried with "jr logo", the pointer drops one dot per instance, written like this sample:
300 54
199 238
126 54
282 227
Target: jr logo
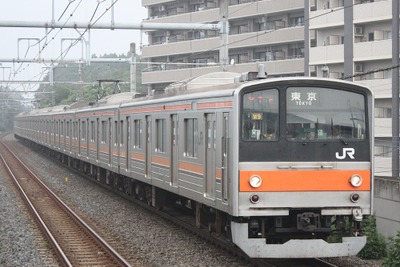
347 151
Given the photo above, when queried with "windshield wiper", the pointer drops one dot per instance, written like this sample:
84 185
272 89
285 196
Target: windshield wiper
305 142
343 140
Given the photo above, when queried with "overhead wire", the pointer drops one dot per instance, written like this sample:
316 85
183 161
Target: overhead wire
73 43
65 51
46 43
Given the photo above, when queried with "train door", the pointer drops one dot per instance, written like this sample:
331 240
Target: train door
87 138
71 136
225 154
59 134
64 134
127 143
148 147
116 142
174 150
79 137
109 136
121 140
98 139
211 133
68 135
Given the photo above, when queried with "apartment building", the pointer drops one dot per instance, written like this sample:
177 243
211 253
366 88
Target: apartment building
349 38
323 38
267 32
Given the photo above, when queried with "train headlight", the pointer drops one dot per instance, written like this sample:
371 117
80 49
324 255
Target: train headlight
255 181
355 180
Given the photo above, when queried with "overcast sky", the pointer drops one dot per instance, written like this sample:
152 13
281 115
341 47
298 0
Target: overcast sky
102 41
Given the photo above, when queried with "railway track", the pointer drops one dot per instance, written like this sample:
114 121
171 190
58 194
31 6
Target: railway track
72 240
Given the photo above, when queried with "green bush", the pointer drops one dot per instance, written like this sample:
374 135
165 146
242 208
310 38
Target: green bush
393 253
376 247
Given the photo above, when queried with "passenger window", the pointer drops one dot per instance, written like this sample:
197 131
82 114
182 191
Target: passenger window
104 128
191 138
92 132
161 135
137 134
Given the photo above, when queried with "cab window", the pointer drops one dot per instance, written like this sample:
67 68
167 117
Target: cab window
260 115
315 113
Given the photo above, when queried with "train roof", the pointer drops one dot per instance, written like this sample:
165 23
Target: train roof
213 84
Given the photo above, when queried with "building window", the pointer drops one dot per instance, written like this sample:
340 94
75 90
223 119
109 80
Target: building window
191 138
383 151
382 112
297 21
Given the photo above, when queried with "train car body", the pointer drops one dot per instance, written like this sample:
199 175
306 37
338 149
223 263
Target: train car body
278 166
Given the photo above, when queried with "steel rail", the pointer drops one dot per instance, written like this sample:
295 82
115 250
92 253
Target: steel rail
115 255
42 225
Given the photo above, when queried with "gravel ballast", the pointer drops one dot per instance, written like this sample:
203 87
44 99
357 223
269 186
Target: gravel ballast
21 244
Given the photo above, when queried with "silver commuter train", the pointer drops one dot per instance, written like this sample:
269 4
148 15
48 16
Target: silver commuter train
278 166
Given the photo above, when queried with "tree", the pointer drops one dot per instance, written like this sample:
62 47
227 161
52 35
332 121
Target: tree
376 246
393 253
10 106
74 82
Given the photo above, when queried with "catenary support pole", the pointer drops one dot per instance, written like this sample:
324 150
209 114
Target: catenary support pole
395 89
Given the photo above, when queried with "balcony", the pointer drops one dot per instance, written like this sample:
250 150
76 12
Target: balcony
375 11
261 8
376 50
382 88
331 54
286 35
181 48
383 127
258 8
326 18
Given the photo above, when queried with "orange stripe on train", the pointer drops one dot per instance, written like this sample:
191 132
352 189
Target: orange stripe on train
161 161
225 104
305 180
191 167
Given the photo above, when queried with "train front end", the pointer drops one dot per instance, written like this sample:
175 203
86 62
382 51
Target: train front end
304 172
